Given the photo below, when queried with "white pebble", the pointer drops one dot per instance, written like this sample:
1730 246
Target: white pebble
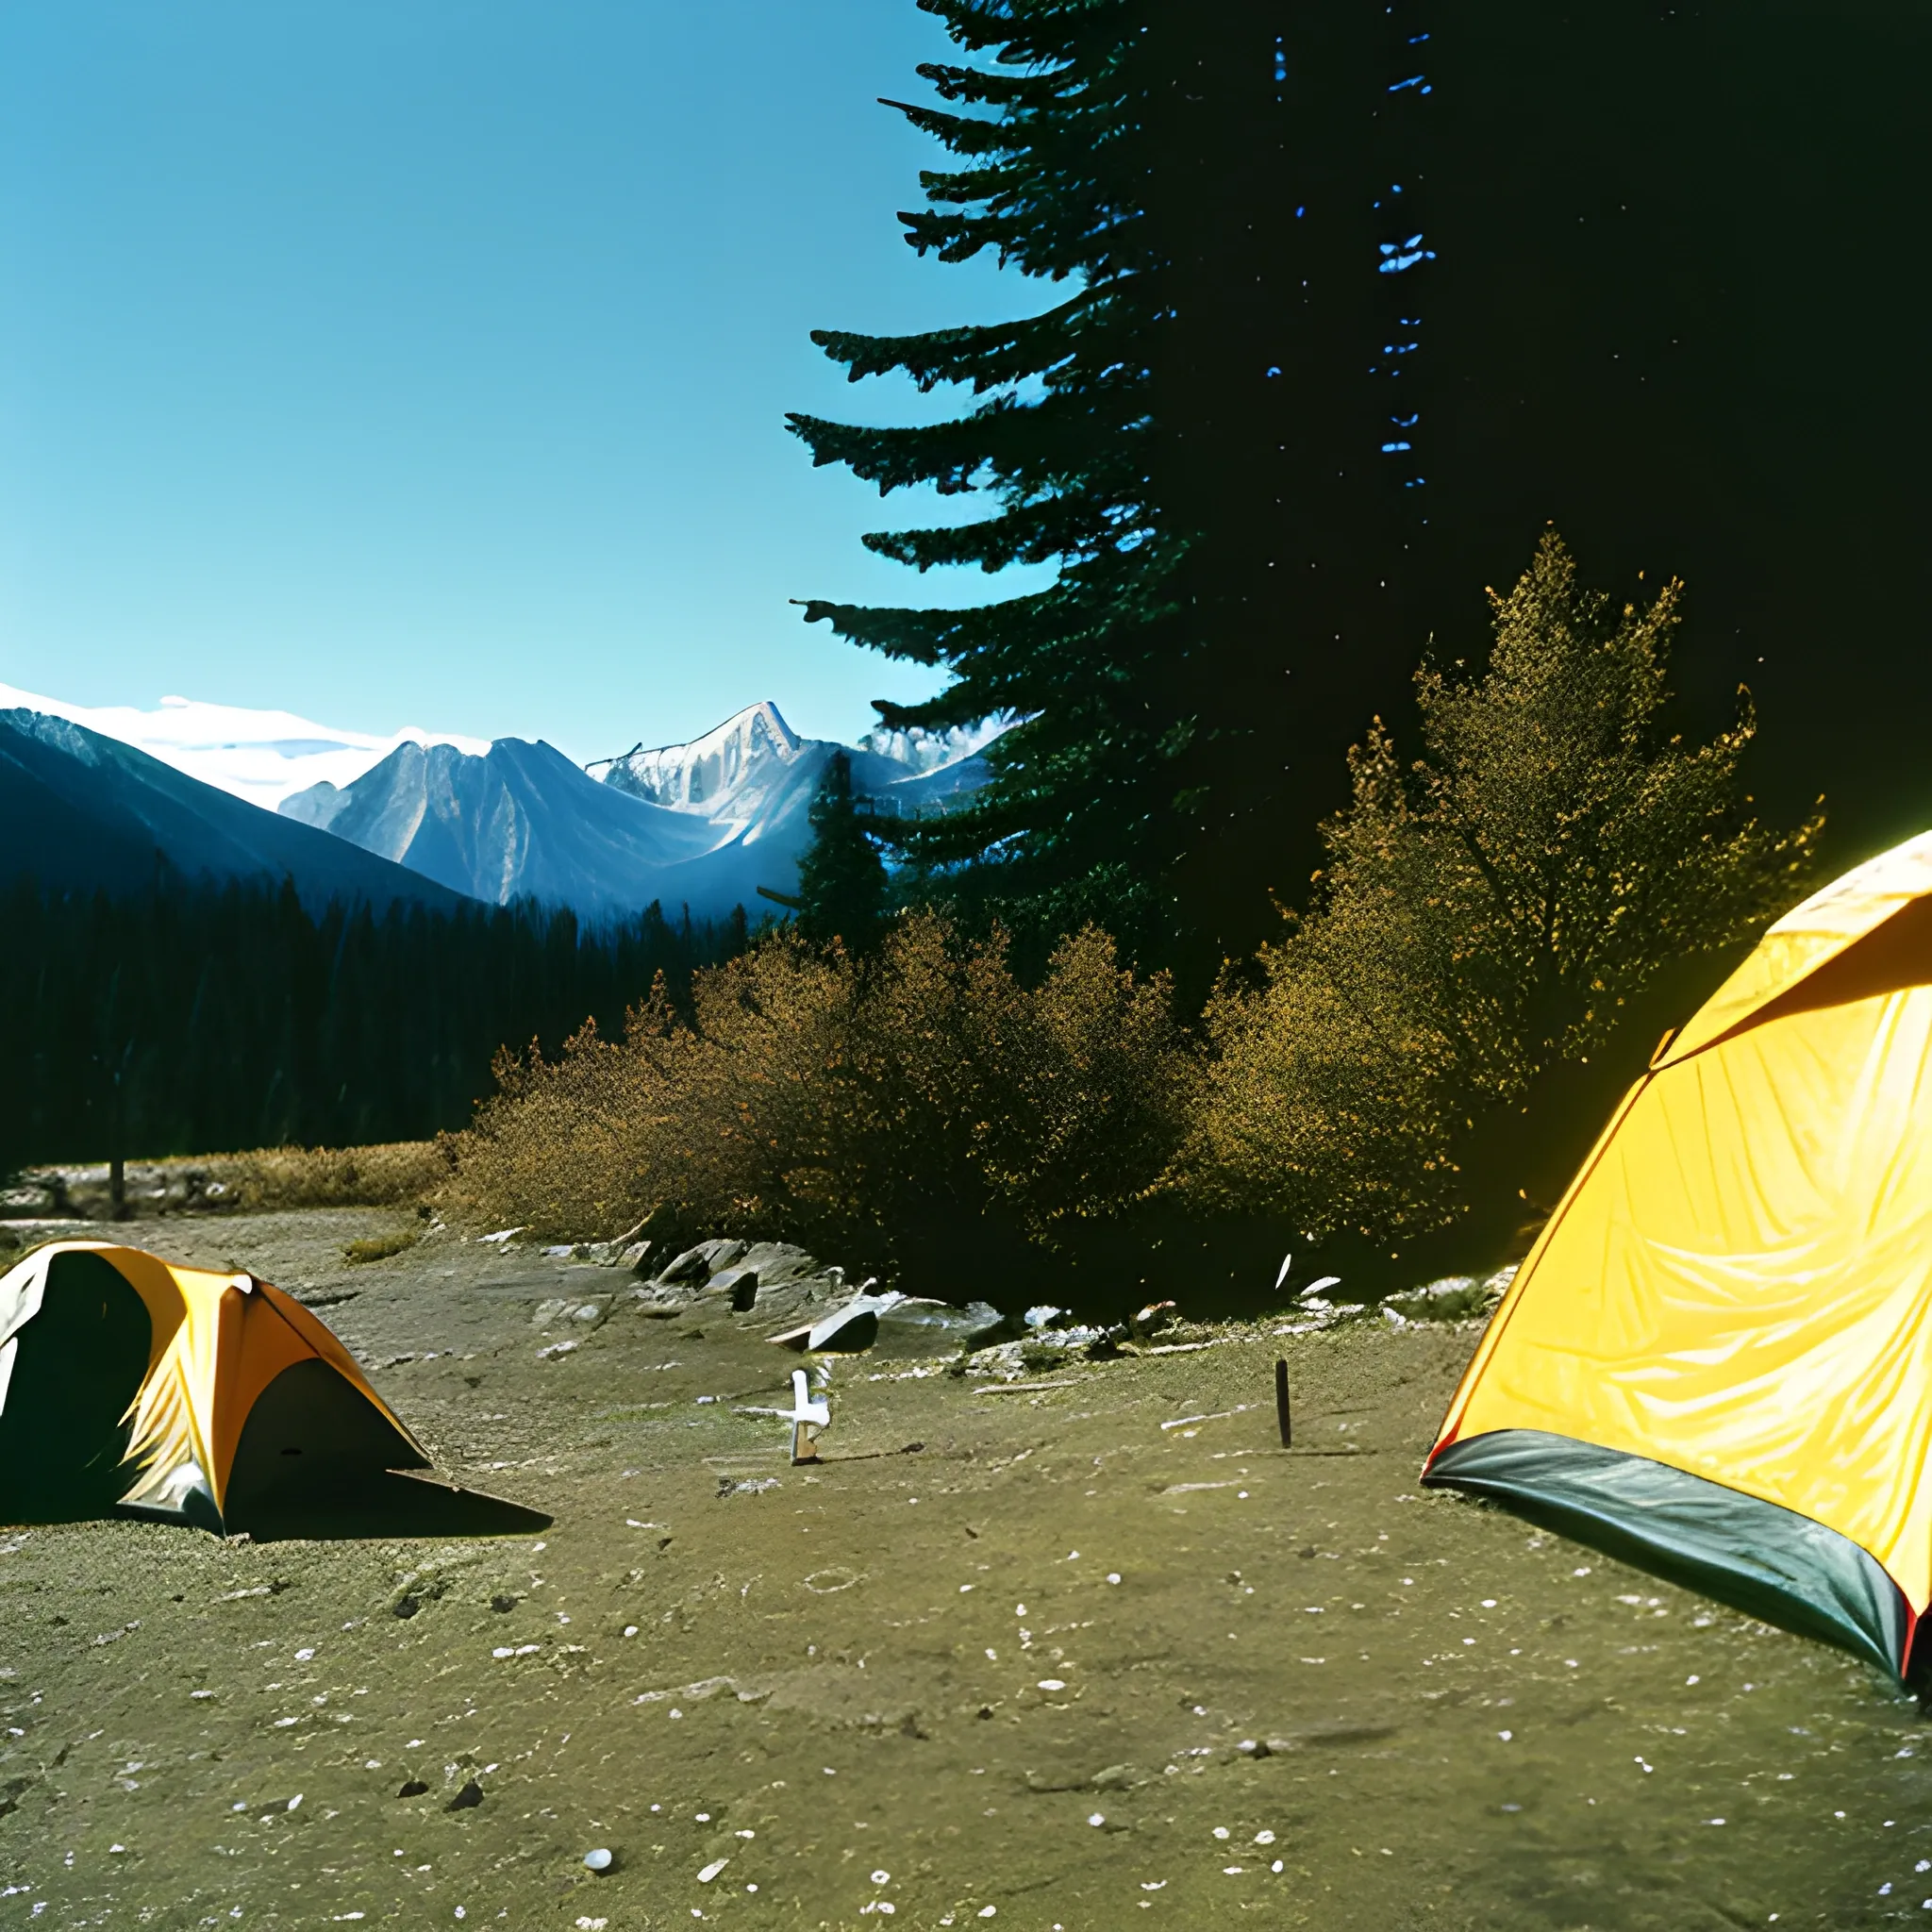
1097 1818
302 1657
1113 1575
598 1860
881 1877
1264 1838
1220 1831
713 1870
1053 1684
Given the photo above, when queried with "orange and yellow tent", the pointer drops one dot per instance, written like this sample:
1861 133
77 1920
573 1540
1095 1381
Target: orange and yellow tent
1717 1359
129 1384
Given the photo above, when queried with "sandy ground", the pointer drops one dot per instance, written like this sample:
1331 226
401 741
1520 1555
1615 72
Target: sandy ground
1003 1658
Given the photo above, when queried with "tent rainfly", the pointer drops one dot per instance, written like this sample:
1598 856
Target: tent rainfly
130 1386
1716 1362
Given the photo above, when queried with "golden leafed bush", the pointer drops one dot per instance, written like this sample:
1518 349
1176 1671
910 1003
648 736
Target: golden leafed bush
1486 913
923 1094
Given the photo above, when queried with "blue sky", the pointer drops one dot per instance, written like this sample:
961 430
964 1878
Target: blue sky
426 361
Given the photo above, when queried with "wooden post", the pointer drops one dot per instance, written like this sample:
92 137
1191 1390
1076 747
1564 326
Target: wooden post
1281 1414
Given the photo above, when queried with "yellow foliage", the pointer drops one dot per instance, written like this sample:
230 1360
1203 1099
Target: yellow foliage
922 1094
1484 913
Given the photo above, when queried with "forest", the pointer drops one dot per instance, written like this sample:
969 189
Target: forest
200 1018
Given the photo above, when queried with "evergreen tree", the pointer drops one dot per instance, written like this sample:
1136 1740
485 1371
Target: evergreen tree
1194 432
842 878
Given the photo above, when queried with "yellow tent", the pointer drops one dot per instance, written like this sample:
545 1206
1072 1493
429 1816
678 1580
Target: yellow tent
212 1398
1717 1362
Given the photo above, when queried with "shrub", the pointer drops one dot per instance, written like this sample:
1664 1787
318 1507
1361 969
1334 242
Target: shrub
923 1099
1483 914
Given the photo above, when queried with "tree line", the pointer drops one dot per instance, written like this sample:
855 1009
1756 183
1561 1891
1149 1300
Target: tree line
201 1017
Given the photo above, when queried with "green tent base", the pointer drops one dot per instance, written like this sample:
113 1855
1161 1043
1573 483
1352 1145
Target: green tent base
1759 1558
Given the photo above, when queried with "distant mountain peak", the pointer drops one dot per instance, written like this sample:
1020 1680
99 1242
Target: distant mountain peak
709 773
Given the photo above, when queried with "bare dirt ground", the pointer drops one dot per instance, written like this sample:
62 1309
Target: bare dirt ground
1014 1674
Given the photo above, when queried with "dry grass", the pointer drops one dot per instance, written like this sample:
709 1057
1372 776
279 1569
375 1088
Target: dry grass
398 1173
380 1247
401 1173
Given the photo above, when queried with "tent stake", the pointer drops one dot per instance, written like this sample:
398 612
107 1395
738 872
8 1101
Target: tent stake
1281 1414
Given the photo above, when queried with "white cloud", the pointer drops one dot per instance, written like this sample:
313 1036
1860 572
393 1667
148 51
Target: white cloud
260 755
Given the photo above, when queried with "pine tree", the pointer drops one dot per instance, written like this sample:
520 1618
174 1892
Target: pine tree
842 878
1194 432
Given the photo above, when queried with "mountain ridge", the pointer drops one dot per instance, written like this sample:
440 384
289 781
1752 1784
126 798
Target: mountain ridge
702 824
86 813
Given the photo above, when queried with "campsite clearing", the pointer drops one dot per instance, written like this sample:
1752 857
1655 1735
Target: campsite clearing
1057 1666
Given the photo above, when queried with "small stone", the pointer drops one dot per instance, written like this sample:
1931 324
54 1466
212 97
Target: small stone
599 1860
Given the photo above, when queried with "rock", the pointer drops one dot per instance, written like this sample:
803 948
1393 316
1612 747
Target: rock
777 1262
741 1284
1455 1298
598 1860
852 1326
707 1259
634 1257
619 1248
898 1325
916 1327
1152 1320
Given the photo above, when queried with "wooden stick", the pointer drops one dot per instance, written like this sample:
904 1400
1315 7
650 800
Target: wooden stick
1281 1414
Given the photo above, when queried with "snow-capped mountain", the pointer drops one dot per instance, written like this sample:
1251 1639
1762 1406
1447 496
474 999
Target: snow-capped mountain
260 755
702 824
85 812
94 792
519 821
